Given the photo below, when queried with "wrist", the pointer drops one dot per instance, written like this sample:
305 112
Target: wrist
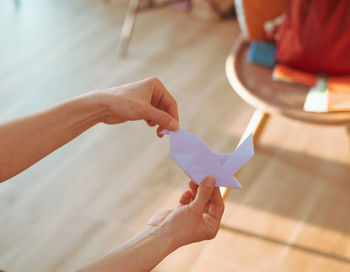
162 237
95 104
166 234
140 253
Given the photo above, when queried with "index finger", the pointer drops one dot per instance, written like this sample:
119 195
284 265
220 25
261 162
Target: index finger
163 100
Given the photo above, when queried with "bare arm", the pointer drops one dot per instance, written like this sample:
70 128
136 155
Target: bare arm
196 218
26 140
141 253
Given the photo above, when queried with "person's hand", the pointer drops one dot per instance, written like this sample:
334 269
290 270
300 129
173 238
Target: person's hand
145 100
196 218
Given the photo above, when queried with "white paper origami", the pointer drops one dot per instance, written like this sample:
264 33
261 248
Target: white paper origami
198 161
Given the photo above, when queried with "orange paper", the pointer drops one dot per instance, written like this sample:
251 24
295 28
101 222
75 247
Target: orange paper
285 73
339 93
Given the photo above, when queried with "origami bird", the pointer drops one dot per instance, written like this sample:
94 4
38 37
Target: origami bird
198 161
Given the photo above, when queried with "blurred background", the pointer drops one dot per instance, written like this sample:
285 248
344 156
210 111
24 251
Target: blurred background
97 191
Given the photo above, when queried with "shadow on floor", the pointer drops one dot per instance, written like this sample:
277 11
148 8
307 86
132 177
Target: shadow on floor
297 186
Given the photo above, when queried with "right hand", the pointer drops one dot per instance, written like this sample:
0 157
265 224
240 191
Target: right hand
197 217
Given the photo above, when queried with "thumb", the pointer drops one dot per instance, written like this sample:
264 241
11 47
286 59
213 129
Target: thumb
204 193
161 118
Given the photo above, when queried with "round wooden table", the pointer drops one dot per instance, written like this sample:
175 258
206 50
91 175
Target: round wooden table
254 84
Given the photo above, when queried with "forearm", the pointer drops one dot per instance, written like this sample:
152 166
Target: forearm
26 140
141 253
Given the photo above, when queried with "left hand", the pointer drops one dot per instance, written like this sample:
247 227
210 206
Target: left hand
197 217
146 99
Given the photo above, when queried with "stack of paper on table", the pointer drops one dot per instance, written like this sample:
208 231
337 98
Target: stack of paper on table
328 93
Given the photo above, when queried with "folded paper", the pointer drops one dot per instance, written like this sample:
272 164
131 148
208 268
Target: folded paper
198 161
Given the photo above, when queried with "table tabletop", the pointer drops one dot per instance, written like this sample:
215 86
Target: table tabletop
254 84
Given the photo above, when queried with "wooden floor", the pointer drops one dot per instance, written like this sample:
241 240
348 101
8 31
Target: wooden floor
97 191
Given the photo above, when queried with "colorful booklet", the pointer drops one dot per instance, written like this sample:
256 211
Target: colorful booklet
327 94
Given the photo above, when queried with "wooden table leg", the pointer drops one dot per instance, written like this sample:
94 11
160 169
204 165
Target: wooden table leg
128 27
255 126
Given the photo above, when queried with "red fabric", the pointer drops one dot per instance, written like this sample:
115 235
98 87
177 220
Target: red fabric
315 37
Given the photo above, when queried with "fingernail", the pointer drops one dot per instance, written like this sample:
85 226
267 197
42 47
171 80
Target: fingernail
211 181
173 124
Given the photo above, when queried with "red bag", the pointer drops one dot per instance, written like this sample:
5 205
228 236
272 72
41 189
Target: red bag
315 37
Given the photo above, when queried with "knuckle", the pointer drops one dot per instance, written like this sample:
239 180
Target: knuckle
168 120
141 112
205 190
154 80
212 231
211 235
